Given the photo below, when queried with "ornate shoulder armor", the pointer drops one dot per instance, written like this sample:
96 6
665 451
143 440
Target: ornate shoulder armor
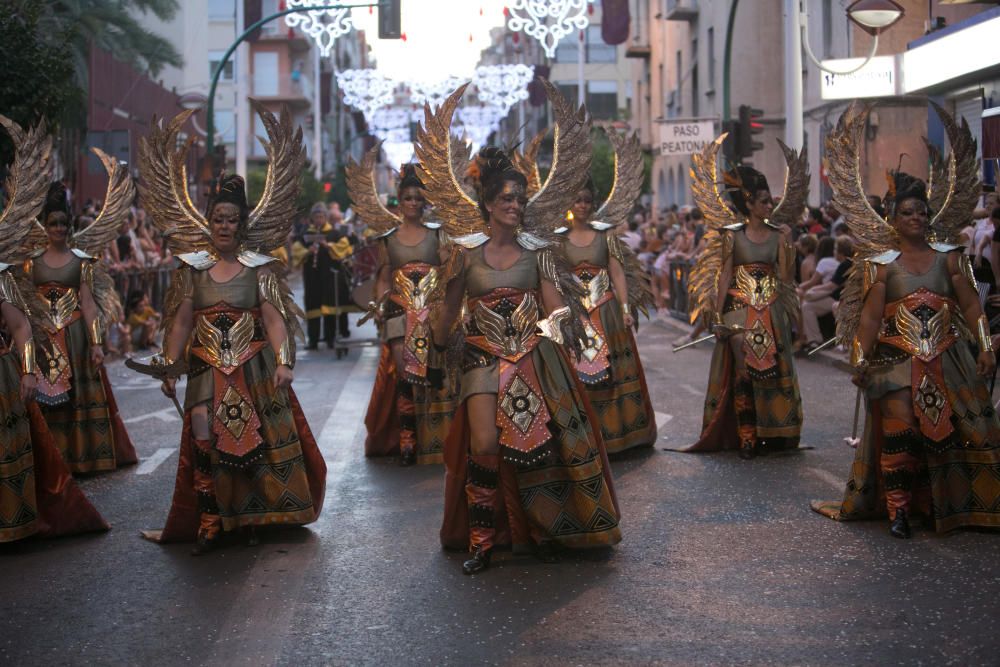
270 291
615 247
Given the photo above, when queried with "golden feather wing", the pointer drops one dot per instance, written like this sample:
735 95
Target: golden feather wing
961 185
571 158
872 234
457 210
703 281
26 186
163 186
118 199
461 157
270 220
627 184
527 163
705 186
796 191
364 195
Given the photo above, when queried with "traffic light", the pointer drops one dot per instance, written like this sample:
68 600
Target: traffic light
749 125
389 22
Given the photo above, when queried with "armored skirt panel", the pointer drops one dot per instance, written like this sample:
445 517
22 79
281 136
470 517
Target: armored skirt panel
37 493
773 405
610 367
956 455
551 481
403 400
76 396
261 465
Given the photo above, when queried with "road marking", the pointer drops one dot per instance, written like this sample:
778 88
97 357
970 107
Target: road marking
827 477
165 415
153 462
691 390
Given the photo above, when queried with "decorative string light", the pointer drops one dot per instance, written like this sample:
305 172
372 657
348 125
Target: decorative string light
548 21
366 90
323 25
433 92
503 86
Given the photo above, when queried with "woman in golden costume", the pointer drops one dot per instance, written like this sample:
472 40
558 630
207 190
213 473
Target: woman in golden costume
405 415
38 496
931 443
615 286
524 425
742 285
72 300
247 455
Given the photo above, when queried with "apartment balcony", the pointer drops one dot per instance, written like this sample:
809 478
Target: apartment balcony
277 31
638 51
682 10
297 95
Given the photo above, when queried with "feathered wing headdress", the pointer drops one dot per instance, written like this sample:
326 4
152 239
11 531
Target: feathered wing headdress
954 188
364 195
27 186
526 162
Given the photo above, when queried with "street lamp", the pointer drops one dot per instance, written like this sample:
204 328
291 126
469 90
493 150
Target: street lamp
874 16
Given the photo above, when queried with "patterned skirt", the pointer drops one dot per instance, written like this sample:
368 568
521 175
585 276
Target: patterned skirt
284 485
961 479
777 402
37 493
567 496
84 421
621 402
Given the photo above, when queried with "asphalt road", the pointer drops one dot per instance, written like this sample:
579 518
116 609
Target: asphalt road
722 561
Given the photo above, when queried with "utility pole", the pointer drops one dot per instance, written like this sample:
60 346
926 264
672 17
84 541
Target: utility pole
243 121
793 74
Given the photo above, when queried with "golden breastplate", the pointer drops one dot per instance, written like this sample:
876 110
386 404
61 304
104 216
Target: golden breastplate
922 324
225 348
756 284
596 282
414 295
505 329
63 302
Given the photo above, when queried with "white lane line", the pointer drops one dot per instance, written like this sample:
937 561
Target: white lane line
662 419
153 462
691 390
337 433
829 478
165 415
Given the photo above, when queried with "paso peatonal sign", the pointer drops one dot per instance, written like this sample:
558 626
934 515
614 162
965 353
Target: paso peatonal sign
685 137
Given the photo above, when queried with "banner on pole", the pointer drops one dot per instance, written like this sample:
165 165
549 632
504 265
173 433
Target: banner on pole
685 137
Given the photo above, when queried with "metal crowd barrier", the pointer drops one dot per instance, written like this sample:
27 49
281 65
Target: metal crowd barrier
152 280
678 302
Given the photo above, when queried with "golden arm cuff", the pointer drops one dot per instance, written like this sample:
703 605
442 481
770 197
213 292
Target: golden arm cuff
983 334
283 356
28 358
858 355
96 332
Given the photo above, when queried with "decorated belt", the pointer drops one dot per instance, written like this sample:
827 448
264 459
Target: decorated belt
64 304
226 338
922 324
504 322
413 284
596 282
755 285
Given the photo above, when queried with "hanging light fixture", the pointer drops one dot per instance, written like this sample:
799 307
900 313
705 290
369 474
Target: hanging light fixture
324 26
548 21
874 16
366 90
433 92
503 86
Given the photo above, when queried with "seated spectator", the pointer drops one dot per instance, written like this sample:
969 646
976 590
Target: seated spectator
825 265
142 320
632 237
821 299
806 248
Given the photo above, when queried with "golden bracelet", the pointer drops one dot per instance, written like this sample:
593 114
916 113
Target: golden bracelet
96 332
983 334
28 358
858 355
284 355
626 310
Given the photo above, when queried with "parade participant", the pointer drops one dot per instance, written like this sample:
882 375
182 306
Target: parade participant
72 300
320 251
405 415
247 455
38 496
743 286
521 401
615 287
931 442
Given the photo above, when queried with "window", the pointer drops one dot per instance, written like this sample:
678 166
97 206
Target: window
265 73
214 58
710 38
271 28
827 28
225 125
224 10
568 91
602 99
568 49
597 50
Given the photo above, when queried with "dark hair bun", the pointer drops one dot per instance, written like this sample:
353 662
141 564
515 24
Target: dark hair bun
56 201
408 178
231 190
490 170
743 183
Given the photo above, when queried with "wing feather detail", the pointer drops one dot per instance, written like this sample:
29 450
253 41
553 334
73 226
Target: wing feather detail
270 220
960 189
457 210
627 184
118 199
796 191
527 163
705 187
571 159
164 190
26 186
364 195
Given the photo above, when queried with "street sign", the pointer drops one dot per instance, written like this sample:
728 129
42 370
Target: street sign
685 137
879 78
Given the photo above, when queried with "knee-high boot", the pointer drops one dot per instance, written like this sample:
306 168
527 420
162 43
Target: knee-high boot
481 493
899 462
210 524
746 415
407 422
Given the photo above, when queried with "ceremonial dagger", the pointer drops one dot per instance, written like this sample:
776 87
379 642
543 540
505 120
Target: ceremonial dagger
160 370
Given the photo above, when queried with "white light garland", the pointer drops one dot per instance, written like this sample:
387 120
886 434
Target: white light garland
477 123
398 152
323 25
503 86
548 21
366 90
434 92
